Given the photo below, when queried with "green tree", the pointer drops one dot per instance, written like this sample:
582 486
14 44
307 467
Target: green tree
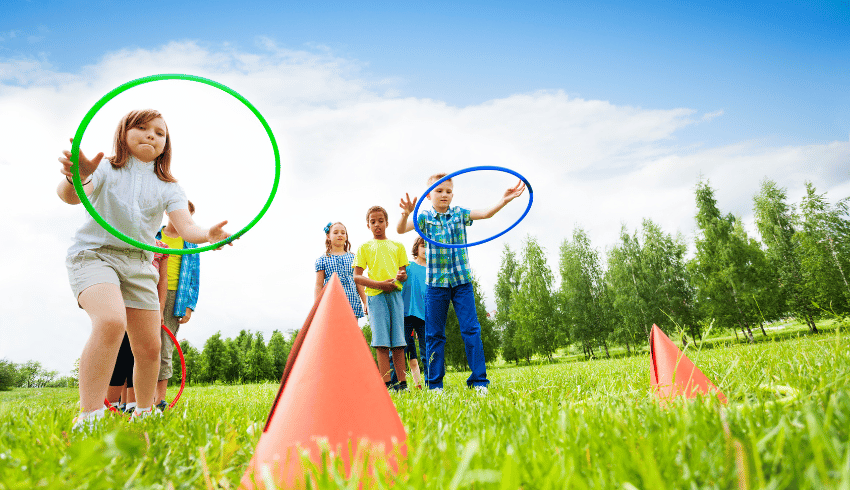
259 365
668 294
581 293
216 359
533 307
236 367
776 224
192 358
625 279
8 375
824 237
507 284
279 350
729 270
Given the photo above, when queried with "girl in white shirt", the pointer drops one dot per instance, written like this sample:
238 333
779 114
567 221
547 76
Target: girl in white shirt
113 281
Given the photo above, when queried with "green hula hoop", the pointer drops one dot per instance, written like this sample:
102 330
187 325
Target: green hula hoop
78 184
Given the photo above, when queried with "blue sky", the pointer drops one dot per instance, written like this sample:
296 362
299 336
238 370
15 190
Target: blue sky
777 69
613 111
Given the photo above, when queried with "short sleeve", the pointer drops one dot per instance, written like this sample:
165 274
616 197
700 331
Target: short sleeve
99 176
402 255
175 198
320 266
467 220
360 258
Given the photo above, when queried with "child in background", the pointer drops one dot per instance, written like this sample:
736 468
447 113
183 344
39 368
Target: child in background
337 258
180 301
386 262
121 384
414 308
449 278
114 282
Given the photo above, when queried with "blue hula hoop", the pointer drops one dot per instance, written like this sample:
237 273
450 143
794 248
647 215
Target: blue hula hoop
459 172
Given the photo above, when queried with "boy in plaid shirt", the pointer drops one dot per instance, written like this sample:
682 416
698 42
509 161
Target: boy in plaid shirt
449 279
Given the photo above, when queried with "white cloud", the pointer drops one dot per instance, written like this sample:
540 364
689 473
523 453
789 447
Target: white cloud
345 145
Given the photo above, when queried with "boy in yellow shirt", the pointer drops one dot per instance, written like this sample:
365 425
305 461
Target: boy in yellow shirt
386 262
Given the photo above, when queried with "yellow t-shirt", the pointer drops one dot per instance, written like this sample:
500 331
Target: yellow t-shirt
173 260
381 260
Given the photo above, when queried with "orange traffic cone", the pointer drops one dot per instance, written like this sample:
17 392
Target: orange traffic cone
330 390
671 372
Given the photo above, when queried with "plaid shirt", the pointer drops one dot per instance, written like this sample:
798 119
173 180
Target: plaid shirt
446 267
189 281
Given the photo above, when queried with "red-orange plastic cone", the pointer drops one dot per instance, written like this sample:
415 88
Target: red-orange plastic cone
331 390
672 374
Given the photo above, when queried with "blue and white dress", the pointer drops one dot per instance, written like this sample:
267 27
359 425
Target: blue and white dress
343 266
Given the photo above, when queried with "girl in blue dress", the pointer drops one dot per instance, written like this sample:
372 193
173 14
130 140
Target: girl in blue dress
337 258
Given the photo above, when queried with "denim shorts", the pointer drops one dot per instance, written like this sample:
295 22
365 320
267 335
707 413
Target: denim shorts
386 318
129 269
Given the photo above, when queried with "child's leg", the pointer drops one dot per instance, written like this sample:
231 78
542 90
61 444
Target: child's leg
414 370
105 307
143 329
398 341
470 330
436 308
384 363
398 363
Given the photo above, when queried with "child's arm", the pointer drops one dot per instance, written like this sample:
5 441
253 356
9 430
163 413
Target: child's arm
401 276
407 206
510 194
361 280
191 232
162 286
320 282
66 190
361 291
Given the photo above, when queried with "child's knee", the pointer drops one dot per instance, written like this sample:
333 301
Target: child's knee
148 351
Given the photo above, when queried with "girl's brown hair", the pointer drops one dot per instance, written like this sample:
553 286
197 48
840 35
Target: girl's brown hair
415 250
347 245
162 164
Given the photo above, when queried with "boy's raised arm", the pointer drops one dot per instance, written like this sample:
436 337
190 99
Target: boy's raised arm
407 206
510 194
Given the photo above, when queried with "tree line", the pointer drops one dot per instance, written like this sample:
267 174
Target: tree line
733 281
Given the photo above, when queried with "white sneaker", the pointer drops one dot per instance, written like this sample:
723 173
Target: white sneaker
480 390
87 420
143 413
436 391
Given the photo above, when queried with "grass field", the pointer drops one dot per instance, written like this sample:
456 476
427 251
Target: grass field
565 425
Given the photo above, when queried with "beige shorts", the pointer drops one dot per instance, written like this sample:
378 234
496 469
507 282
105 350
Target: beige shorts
166 370
130 270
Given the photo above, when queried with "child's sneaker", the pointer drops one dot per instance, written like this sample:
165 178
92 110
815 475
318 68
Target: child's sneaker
87 420
162 405
480 390
401 386
143 413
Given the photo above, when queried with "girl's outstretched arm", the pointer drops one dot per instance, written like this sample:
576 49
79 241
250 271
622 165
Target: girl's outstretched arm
66 190
191 232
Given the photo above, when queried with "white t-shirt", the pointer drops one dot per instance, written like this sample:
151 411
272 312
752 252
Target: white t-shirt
132 199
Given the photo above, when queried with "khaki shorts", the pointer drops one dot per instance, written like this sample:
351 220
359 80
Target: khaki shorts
130 270
167 351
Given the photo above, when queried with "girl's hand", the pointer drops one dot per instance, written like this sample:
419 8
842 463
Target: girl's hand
407 206
87 167
514 192
217 234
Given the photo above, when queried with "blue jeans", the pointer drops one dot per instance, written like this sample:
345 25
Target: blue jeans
437 301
